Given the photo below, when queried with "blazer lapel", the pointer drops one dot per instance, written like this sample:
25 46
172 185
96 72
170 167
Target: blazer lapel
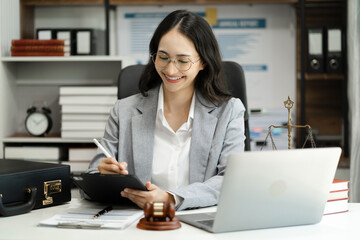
143 130
203 132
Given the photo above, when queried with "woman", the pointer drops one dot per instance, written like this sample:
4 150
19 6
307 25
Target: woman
176 134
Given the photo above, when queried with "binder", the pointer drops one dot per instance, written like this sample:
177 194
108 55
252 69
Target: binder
315 50
44 34
83 39
79 40
64 34
334 62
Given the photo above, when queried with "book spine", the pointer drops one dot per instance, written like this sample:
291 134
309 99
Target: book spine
21 42
336 206
84 117
82 134
73 125
98 90
38 48
81 154
87 109
25 54
77 166
339 184
88 100
32 153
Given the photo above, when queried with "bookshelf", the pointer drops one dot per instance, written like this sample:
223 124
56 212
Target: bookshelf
322 97
57 148
31 75
52 138
26 79
126 60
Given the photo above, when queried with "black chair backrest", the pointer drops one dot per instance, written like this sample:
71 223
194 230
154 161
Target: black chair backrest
236 83
129 77
128 80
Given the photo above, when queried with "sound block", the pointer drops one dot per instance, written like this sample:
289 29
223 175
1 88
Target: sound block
159 225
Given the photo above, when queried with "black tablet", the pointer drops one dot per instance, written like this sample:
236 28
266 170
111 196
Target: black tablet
106 188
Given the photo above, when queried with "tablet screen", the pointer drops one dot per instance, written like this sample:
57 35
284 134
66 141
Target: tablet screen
106 188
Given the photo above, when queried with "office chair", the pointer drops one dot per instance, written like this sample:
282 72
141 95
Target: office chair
129 78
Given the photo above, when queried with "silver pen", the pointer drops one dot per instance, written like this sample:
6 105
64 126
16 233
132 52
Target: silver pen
102 148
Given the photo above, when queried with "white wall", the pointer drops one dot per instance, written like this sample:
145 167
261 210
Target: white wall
273 46
9 29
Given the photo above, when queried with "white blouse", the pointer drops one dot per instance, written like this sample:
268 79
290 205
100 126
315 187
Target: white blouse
170 168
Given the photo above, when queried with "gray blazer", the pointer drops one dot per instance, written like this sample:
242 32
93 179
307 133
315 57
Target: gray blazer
217 131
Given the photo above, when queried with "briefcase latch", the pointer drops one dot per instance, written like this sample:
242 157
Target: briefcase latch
50 188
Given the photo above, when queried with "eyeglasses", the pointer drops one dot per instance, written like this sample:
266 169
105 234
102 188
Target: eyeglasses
181 63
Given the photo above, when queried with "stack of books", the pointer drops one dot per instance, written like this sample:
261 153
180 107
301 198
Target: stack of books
51 154
85 110
36 47
79 158
338 197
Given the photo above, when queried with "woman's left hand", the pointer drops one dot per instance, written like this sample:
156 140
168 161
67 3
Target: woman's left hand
155 194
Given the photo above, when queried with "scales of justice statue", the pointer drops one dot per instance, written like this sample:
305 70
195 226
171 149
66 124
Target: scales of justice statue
289 105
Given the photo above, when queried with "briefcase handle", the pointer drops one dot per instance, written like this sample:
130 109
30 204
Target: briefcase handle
19 209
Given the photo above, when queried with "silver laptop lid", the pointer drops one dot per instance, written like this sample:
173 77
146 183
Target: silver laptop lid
275 188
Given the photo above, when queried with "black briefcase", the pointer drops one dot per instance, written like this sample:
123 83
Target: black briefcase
26 185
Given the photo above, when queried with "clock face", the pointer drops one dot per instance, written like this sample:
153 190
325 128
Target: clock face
37 124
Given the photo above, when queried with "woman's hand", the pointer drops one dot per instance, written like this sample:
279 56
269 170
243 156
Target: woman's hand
155 194
111 166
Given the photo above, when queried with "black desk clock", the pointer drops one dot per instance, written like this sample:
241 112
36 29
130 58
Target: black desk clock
38 122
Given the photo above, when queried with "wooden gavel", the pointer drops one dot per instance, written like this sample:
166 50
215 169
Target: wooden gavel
159 216
159 211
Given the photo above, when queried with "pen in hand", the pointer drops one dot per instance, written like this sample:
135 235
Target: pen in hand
105 210
122 166
102 148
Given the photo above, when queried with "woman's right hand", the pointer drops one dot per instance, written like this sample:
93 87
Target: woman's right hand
111 166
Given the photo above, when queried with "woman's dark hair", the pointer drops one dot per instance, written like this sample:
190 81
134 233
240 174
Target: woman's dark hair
210 81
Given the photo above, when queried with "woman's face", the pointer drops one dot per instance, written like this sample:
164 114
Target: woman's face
176 46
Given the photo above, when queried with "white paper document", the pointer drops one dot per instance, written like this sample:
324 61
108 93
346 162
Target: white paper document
84 219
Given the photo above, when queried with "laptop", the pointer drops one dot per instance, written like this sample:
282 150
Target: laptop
268 189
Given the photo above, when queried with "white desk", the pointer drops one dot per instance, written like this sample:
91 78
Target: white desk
337 226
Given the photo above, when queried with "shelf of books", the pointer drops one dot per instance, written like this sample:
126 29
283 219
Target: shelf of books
83 116
51 138
125 60
52 149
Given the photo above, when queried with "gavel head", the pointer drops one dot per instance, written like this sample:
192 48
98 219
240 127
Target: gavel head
159 211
